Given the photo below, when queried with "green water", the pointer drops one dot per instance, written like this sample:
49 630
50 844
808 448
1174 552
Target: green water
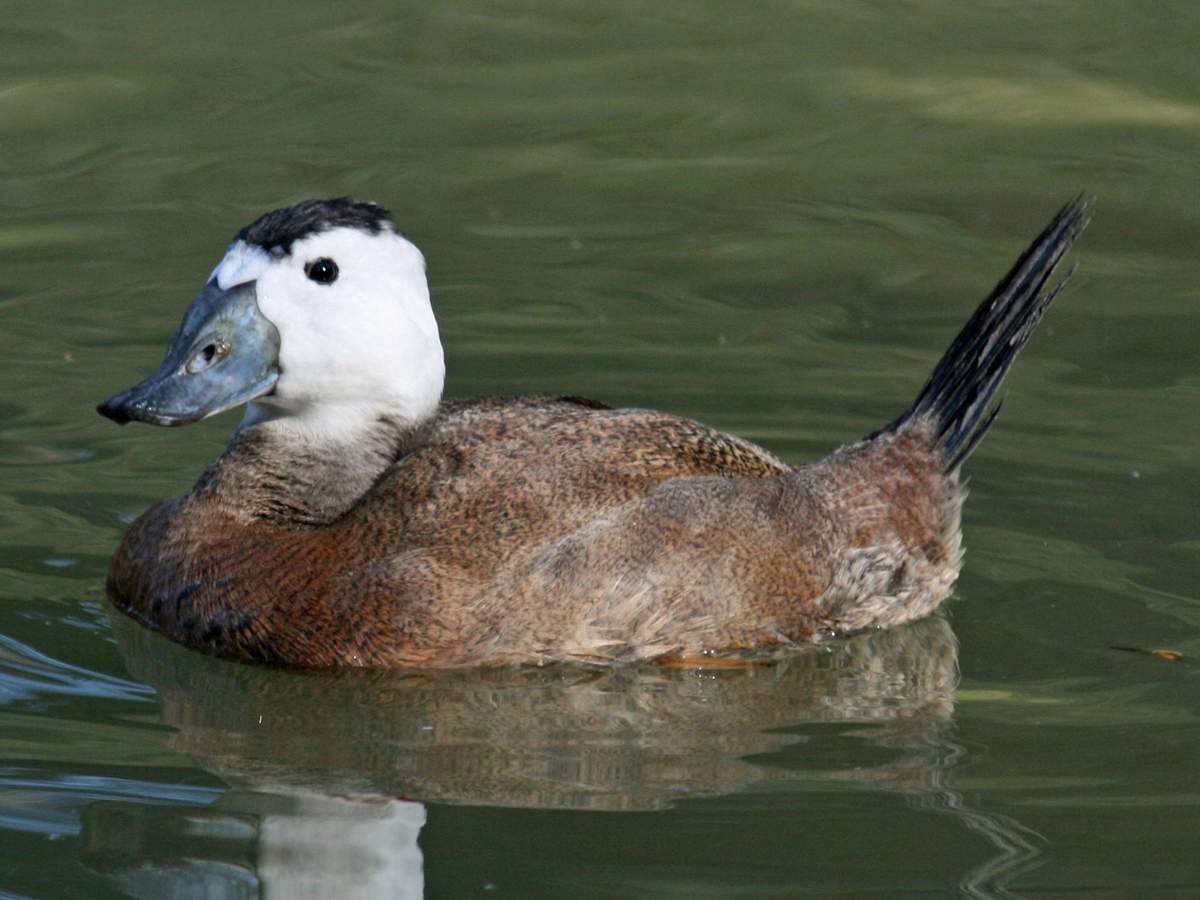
770 217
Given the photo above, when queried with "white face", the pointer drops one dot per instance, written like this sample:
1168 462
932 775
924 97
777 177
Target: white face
362 346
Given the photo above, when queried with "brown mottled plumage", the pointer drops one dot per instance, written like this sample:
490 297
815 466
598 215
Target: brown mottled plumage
520 530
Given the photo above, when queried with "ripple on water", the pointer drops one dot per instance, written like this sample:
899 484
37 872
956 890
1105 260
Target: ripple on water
31 801
27 674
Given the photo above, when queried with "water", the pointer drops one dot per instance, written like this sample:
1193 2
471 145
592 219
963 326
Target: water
773 221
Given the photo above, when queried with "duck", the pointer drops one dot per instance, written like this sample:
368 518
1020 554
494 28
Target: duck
359 519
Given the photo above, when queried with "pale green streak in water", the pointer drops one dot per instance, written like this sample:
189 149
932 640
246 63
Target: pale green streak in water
769 217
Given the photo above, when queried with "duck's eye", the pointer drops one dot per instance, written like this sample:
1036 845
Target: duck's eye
322 271
207 355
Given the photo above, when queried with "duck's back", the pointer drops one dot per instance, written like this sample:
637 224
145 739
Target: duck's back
526 460
554 528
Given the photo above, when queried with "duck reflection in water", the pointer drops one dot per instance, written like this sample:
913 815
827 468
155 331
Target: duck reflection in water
329 773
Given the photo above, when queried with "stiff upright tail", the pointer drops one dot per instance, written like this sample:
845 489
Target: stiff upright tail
958 396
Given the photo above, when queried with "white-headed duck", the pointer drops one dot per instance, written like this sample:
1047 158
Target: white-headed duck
357 518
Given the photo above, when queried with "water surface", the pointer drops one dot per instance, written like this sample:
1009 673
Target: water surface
773 221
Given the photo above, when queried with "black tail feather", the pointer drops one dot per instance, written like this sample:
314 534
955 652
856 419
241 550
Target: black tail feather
958 395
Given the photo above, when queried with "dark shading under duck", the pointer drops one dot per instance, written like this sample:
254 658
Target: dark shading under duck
536 529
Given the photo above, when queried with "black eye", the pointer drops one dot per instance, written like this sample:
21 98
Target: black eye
322 271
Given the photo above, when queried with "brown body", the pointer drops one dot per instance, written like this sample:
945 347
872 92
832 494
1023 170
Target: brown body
536 529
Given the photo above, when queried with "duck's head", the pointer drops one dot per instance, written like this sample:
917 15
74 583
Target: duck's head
317 315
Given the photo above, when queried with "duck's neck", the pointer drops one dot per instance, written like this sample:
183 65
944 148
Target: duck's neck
274 470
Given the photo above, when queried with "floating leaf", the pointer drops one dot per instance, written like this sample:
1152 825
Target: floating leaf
1168 655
